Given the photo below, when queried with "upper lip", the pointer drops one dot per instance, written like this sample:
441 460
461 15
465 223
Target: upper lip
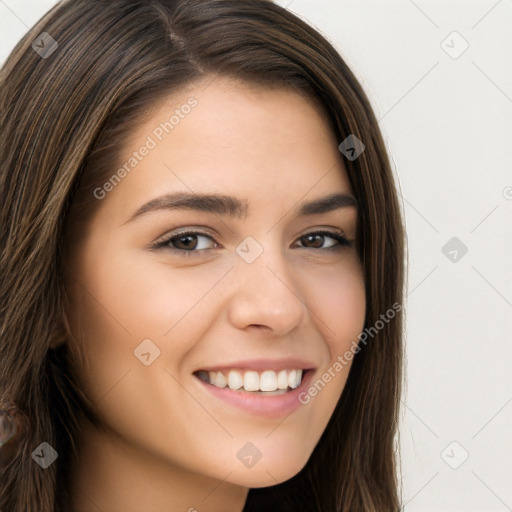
289 363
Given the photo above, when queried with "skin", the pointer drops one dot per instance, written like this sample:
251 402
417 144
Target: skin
167 443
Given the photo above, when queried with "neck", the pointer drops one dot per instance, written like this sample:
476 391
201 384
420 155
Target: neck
112 475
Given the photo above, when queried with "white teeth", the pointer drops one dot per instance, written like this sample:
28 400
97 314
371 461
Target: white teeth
235 380
294 378
251 381
220 380
282 379
267 381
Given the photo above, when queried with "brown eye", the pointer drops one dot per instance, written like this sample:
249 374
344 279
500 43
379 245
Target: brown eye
187 243
313 240
325 240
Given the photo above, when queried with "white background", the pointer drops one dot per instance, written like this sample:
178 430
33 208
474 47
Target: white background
448 125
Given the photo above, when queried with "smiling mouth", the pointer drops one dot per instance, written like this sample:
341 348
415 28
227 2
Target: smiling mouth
268 382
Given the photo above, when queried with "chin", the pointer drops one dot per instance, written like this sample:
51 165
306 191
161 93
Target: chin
267 475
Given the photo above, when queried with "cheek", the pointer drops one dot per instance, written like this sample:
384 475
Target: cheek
145 295
337 303
171 288
123 297
337 299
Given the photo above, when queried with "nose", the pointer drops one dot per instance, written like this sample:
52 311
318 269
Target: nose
266 295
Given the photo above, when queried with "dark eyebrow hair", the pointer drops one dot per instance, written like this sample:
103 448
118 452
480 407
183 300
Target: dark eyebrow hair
328 204
214 203
228 205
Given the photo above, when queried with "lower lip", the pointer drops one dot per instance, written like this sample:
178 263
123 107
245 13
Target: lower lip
267 406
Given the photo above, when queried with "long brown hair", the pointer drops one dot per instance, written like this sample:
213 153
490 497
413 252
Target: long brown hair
64 119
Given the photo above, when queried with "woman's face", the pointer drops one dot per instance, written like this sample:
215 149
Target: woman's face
218 250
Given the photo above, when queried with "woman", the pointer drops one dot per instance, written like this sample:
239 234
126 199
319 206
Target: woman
202 266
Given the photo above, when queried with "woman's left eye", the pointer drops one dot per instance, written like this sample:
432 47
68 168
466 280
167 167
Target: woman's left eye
318 238
190 242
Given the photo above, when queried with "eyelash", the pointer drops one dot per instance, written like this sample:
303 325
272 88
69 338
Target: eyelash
341 240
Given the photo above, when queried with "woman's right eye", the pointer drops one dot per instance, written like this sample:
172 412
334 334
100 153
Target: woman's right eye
187 242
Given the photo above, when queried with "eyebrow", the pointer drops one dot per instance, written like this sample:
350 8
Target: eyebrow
234 207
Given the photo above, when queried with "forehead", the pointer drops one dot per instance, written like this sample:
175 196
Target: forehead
232 103
223 135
